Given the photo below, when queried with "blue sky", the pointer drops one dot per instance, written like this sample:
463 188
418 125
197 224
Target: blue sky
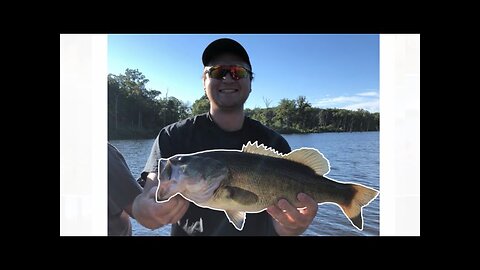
332 71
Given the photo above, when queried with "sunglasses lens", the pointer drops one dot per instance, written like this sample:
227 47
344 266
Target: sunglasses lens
218 72
240 72
236 72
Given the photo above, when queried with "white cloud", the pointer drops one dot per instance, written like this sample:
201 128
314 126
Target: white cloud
365 100
368 94
332 101
371 106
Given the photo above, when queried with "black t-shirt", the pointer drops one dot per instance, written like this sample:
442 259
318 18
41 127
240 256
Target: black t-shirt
122 190
200 133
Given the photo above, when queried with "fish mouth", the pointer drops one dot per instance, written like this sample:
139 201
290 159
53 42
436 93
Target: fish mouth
165 185
164 191
165 169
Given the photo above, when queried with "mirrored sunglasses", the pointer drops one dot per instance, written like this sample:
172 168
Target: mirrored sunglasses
237 72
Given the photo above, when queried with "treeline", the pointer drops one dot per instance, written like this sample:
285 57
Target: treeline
135 112
298 116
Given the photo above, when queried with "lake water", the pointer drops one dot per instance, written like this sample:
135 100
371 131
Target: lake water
354 157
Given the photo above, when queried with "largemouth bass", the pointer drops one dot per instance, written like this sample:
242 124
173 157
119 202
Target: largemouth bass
249 180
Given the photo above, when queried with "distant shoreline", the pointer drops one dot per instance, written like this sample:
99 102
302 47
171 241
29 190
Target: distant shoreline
282 133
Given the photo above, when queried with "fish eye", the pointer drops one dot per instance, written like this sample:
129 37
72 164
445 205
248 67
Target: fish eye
183 159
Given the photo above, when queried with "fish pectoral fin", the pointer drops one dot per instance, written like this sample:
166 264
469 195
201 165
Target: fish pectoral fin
241 195
237 218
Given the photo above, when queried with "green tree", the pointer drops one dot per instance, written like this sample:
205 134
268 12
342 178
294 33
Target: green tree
137 112
201 105
171 110
285 115
302 112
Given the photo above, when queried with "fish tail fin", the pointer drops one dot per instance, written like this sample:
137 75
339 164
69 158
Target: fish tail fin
362 197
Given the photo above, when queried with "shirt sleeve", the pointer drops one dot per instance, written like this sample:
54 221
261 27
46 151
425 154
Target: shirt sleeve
279 143
122 187
160 148
283 145
152 162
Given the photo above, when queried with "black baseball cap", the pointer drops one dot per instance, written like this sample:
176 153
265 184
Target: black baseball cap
224 45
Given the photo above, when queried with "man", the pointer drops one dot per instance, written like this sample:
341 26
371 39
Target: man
227 81
122 190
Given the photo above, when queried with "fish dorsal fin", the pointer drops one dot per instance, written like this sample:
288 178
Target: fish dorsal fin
307 156
310 157
261 149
